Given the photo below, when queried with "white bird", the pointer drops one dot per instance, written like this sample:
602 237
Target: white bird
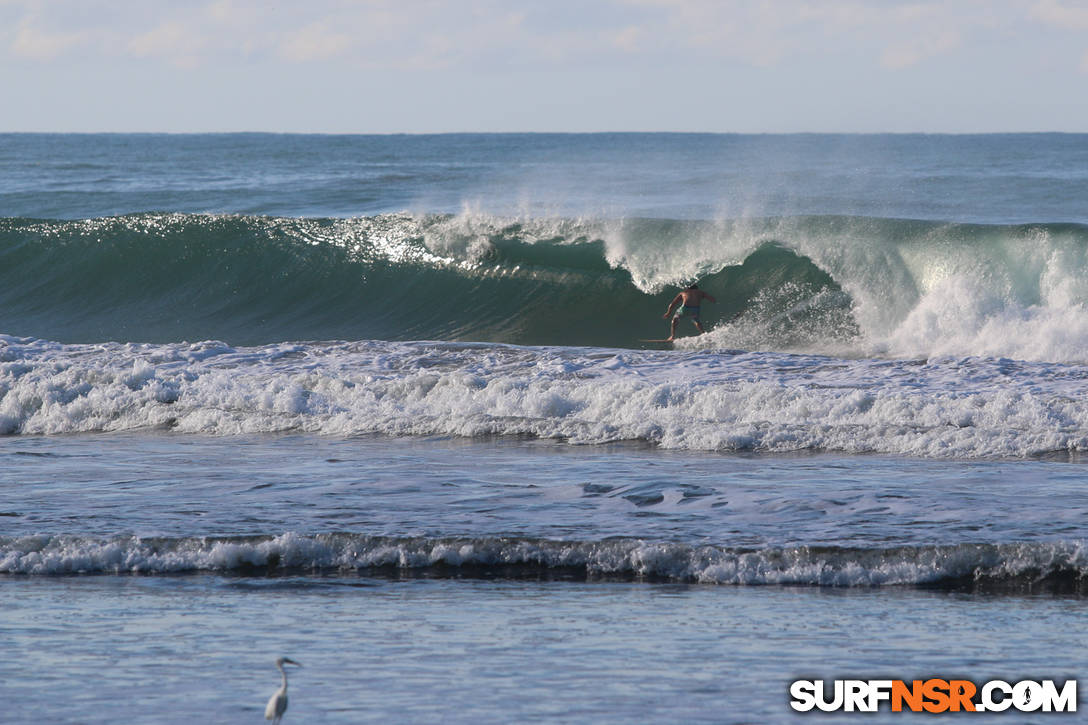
277 704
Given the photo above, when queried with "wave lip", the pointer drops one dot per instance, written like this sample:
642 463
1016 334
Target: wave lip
1022 566
847 286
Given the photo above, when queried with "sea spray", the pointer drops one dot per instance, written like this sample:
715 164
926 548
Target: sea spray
839 285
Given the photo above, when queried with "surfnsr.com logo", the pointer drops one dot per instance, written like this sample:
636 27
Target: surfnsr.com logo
933 695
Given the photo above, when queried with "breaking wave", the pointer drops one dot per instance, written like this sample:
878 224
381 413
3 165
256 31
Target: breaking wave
1010 567
851 286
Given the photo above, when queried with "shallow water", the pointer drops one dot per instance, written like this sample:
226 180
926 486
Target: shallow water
473 639
173 649
155 484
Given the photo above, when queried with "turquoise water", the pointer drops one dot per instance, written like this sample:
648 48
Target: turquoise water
379 404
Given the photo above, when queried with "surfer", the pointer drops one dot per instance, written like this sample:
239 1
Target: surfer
689 301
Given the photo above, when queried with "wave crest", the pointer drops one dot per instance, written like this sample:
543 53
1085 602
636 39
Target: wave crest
847 286
1028 567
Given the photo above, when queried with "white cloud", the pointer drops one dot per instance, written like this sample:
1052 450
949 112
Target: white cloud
173 40
628 39
1060 15
918 49
33 43
763 33
316 41
493 34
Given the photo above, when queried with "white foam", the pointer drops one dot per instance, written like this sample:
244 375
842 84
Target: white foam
829 566
917 289
950 407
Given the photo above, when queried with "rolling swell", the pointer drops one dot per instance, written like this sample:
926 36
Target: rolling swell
840 285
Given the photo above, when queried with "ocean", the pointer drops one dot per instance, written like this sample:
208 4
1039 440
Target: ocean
384 405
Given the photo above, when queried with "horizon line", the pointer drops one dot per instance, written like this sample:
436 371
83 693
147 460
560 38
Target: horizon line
539 133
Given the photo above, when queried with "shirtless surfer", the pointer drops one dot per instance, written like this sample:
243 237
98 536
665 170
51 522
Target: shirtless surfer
689 301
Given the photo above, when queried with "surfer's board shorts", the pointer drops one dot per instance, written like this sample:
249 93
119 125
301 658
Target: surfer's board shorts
687 311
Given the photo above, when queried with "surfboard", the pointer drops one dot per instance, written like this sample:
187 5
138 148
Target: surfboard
657 341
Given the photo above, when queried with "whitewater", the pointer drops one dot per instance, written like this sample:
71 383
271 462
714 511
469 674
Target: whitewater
847 286
383 404
719 401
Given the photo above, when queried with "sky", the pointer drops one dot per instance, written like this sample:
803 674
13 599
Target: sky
422 66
